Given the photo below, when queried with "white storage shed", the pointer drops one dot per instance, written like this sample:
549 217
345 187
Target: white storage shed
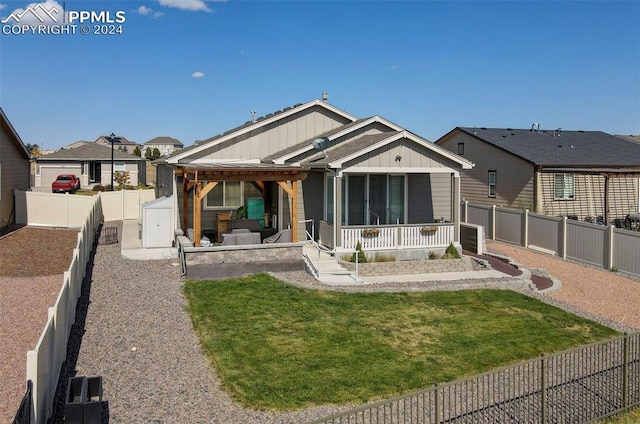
157 217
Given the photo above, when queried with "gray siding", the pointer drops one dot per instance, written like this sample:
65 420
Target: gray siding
589 197
275 137
429 197
14 174
313 199
412 156
515 177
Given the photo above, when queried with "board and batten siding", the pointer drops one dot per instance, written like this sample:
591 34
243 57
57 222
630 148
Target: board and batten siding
411 156
277 136
514 176
589 196
14 174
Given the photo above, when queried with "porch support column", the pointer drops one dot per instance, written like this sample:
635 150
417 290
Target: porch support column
456 207
337 212
607 179
197 212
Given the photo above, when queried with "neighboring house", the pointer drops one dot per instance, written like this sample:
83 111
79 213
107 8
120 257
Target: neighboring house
14 169
119 142
165 145
78 143
91 163
579 174
316 162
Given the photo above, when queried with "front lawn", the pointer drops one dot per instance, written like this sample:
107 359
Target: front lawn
277 346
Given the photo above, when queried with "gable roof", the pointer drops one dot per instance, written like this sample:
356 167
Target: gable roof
116 140
253 126
164 140
16 138
344 152
563 148
91 151
307 145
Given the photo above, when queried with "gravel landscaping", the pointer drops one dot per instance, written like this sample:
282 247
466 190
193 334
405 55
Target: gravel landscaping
133 330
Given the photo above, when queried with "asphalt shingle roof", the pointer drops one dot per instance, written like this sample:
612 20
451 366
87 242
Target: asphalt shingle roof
91 151
346 149
164 140
566 148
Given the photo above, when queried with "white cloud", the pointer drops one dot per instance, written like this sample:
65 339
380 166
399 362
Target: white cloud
192 5
197 74
2 6
147 11
48 12
391 68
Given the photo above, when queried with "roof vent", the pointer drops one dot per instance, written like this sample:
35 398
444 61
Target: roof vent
483 128
535 127
325 97
253 116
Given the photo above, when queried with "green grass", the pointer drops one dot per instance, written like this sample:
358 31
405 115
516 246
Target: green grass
277 346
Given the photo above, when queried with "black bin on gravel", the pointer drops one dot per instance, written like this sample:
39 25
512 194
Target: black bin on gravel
74 401
93 401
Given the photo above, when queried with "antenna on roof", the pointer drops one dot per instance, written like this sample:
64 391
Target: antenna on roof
253 116
321 144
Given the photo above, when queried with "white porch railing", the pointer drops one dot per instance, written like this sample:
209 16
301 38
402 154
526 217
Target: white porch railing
396 236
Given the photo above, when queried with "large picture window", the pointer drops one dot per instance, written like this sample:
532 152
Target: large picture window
563 187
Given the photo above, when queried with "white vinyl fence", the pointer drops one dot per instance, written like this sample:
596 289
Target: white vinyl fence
70 210
599 245
45 361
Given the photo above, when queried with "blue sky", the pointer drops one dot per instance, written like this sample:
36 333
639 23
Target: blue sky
428 66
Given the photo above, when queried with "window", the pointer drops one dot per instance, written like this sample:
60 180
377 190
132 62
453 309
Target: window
119 166
230 194
493 175
461 149
94 172
563 187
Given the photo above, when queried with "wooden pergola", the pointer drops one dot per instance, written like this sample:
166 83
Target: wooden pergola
202 178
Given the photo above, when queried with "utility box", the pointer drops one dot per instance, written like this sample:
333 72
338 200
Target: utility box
156 223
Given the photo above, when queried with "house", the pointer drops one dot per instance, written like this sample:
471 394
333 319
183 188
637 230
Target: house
580 174
14 169
78 143
165 145
121 143
318 169
91 163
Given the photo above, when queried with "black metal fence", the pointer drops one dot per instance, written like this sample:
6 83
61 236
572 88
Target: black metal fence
23 416
574 386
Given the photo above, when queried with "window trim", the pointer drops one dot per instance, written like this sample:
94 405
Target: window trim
495 183
572 195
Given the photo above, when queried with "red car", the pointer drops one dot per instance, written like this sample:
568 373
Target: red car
65 183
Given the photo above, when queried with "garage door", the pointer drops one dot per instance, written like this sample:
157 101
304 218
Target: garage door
48 174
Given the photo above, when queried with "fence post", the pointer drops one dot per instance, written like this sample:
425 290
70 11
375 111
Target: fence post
466 211
525 229
563 238
437 401
543 388
493 222
625 372
609 248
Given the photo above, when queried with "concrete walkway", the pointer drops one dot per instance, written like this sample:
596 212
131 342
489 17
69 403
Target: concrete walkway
131 245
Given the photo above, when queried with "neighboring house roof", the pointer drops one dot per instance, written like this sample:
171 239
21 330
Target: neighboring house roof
118 140
16 138
89 151
165 140
77 144
552 148
635 138
253 126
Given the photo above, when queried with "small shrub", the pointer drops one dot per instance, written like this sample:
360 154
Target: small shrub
433 255
107 187
142 187
362 258
383 258
614 269
129 187
451 252
98 187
